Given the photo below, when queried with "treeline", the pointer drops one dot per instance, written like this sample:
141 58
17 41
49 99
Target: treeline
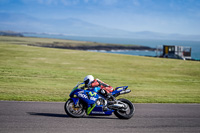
91 46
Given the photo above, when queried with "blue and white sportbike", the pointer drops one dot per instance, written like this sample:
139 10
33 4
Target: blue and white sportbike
93 102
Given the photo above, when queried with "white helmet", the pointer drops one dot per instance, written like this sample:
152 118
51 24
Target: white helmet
88 79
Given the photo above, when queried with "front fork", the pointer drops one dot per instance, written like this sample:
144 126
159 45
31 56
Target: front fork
76 102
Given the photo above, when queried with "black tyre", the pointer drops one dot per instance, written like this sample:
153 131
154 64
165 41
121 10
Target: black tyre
125 113
73 111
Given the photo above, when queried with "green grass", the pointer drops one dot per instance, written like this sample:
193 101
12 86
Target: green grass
44 74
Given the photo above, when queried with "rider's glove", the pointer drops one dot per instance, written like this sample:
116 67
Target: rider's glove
89 86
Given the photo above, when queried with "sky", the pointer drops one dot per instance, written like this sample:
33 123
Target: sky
164 16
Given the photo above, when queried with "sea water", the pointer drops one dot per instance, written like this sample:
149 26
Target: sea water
153 43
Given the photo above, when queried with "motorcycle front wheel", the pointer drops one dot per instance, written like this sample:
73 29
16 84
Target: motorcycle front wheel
74 111
125 113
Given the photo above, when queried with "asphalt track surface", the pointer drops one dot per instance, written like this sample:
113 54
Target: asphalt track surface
45 117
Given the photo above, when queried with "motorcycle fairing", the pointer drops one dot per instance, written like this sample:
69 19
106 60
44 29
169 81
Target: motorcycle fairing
90 108
75 100
89 97
86 96
75 89
98 110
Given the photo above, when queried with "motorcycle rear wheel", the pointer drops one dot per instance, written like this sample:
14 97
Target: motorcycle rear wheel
73 111
125 114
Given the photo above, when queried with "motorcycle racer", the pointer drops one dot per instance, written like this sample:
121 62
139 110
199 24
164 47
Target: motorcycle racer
92 102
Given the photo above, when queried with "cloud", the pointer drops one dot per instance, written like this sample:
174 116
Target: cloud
44 2
86 1
109 2
136 3
78 2
70 2
67 2
57 2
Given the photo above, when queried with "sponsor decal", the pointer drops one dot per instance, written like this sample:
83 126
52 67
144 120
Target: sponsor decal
81 92
95 112
93 98
90 108
92 94
82 95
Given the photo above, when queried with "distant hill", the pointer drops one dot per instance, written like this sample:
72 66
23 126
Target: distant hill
72 26
10 33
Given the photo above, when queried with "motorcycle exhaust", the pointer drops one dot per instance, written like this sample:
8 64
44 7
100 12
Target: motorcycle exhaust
125 91
116 106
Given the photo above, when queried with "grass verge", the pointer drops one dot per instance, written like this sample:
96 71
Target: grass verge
43 74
